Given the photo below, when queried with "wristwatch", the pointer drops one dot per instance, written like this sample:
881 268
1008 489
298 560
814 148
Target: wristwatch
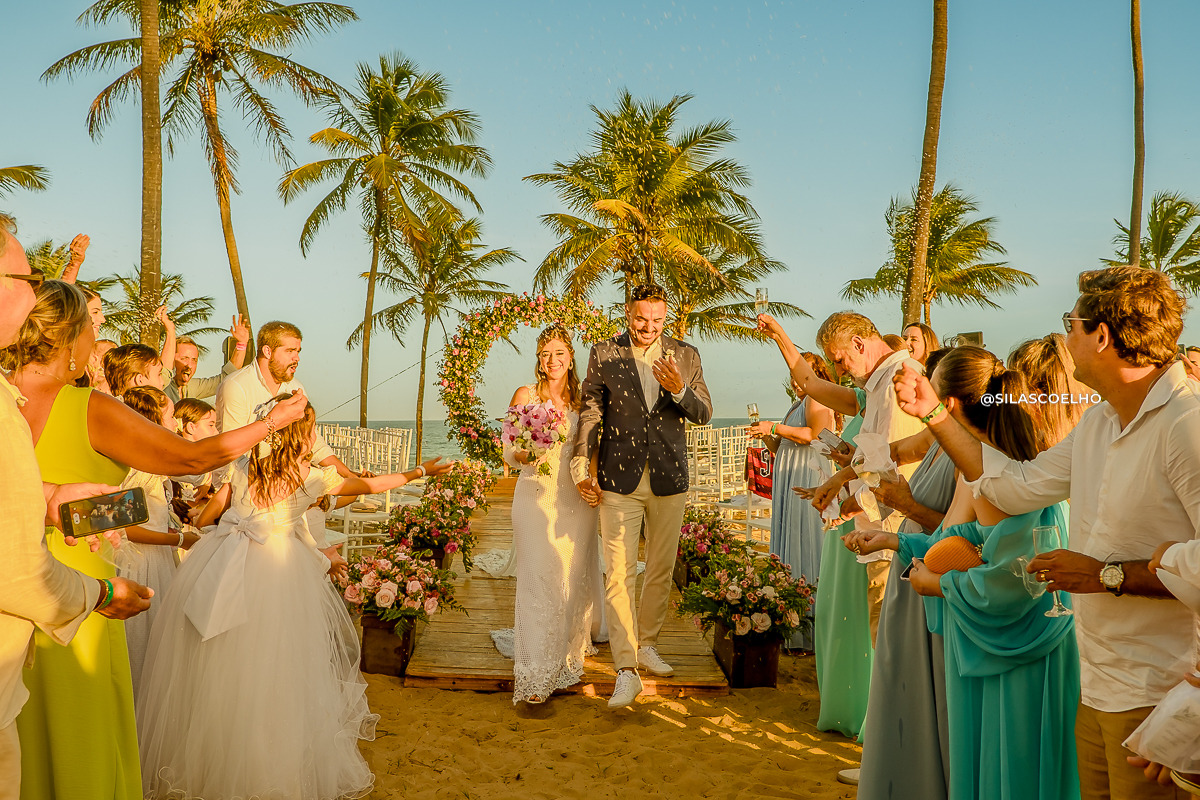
1112 576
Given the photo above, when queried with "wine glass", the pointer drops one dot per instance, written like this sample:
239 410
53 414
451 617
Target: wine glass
752 412
1045 539
760 301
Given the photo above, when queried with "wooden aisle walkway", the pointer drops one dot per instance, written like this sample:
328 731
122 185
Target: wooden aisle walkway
455 651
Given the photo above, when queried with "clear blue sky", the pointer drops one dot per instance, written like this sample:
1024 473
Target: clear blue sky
827 100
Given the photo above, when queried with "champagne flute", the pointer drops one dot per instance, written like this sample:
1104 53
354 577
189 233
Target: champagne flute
760 301
1045 539
752 412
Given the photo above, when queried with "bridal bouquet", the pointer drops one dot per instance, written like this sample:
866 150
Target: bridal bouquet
536 427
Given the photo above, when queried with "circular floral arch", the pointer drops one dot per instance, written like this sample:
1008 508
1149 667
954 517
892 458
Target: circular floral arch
468 350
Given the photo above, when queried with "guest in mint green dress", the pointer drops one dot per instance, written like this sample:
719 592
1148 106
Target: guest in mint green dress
842 626
1012 673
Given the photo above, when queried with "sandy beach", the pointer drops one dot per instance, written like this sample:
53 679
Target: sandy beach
435 743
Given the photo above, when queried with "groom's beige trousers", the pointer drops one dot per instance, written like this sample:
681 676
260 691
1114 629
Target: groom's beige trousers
621 516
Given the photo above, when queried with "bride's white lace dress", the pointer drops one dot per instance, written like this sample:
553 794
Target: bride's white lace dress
558 578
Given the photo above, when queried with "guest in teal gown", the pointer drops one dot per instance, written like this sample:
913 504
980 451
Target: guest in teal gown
843 627
1012 673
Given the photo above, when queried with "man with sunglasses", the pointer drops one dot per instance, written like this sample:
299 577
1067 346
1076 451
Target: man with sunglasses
37 589
1131 469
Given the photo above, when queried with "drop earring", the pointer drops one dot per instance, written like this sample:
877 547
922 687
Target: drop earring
71 364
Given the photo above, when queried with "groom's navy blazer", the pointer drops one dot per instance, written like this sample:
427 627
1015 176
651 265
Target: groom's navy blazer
631 436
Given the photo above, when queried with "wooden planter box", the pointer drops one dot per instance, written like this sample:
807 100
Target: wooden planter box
386 646
747 661
684 575
442 558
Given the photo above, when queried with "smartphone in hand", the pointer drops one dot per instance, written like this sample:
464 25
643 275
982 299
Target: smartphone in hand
104 512
833 441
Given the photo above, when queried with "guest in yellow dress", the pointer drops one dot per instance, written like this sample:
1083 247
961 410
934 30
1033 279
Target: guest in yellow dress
77 734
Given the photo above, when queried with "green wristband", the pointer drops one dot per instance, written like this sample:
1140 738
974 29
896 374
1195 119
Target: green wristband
774 426
109 590
938 409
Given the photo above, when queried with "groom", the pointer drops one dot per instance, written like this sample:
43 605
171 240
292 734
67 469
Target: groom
640 387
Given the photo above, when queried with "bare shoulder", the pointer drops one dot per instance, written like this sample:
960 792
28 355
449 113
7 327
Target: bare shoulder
522 396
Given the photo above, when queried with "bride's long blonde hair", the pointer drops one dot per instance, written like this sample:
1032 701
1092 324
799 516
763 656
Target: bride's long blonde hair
558 333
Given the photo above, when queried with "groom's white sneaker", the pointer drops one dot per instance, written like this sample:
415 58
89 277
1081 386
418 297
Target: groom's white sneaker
629 686
649 658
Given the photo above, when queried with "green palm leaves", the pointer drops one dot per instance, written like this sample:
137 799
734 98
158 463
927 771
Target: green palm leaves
398 150
647 200
30 177
958 247
1171 243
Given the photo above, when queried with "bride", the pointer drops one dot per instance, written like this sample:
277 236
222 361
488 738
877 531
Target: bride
554 531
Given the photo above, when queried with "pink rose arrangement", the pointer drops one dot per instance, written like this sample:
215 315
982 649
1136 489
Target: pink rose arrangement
461 492
539 428
750 594
704 535
422 528
396 583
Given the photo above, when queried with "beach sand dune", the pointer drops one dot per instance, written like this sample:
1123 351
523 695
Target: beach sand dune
435 743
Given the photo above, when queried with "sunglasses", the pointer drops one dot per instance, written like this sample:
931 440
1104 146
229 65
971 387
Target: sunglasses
34 278
1068 319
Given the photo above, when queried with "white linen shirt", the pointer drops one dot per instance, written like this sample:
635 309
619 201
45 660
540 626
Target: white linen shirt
1130 491
883 415
244 391
37 588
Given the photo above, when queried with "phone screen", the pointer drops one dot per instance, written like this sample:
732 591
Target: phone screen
104 512
831 439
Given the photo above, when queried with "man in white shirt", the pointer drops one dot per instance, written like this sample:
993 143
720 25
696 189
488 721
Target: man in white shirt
273 373
37 590
1131 468
854 345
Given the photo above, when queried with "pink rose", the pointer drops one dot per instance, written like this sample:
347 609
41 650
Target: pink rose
741 626
386 596
470 503
451 547
793 619
411 603
762 622
733 593
431 605
370 581
353 593
413 587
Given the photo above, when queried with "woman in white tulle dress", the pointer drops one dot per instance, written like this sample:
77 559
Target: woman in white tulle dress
251 686
559 587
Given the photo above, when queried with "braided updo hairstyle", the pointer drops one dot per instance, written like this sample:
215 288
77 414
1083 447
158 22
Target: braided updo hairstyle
58 318
558 333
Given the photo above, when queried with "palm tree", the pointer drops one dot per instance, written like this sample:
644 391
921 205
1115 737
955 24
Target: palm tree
397 146
917 275
441 268
222 46
706 307
1139 133
53 259
29 176
149 69
955 253
1171 243
126 316
647 200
